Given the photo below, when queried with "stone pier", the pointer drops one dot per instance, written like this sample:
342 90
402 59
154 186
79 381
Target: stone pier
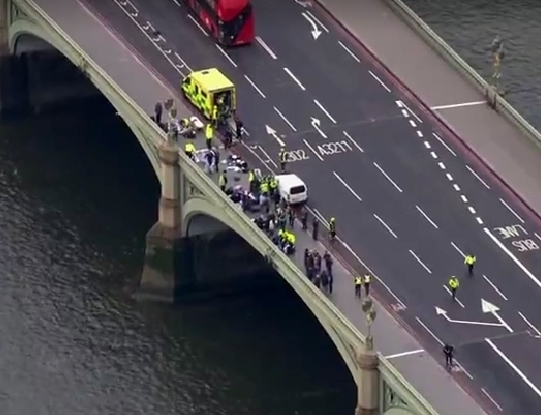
164 258
368 400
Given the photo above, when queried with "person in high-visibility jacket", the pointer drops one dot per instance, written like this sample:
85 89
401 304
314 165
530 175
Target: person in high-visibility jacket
222 181
189 149
366 284
469 261
358 281
282 158
209 133
453 283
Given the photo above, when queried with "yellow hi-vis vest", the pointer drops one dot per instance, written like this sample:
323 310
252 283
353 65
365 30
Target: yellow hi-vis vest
469 260
209 131
453 283
358 281
221 180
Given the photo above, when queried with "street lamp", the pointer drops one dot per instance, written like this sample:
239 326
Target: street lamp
370 315
498 55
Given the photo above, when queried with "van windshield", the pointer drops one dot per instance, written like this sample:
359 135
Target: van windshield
295 190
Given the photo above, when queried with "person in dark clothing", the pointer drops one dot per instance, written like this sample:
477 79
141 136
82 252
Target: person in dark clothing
327 258
291 217
158 113
315 228
238 128
304 219
448 351
325 280
317 280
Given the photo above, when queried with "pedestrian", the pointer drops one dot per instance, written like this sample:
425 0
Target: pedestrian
239 126
158 113
453 286
317 262
366 284
291 217
228 140
222 181
317 280
358 286
325 280
469 261
209 133
315 228
331 281
448 351
304 218
327 258
332 229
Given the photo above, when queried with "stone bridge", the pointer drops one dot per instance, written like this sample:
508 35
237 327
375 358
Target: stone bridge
188 193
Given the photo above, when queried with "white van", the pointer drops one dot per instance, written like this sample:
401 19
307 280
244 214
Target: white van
292 188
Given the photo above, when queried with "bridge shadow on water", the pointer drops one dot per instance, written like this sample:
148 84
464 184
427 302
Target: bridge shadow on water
92 196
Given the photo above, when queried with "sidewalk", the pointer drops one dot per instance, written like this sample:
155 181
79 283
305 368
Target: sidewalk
510 155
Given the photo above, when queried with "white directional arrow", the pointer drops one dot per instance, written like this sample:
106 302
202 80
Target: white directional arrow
271 131
315 29
303 3
442 312
492 309
316 124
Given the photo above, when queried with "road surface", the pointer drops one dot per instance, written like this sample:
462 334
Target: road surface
407 200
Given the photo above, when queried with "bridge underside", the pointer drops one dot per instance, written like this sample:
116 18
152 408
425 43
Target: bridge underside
37 77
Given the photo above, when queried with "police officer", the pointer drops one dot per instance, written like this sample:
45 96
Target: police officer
366 284
222 181
189 149
315 228
469 261
209 133
332 228
358 286
448 351
214 117
453 286
282 158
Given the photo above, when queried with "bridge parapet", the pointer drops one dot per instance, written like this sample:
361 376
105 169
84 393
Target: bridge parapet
186 190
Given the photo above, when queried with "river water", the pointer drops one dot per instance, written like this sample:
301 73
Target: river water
76 199
469 26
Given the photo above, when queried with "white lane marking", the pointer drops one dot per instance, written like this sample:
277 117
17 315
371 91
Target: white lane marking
472 210
442 166
223 52
419 133
514 367
379 80
513 257
198 25
503 202
456 187
530 324
434 155
347 186
464 198
266 47
420 262
144 29
405 113
458 249
387 177
443 143
421 211
411 352
301 86
312 150
350 138
283 117
477 176
408 109
494 287
449 177
412 123
427 145
451 295
537 236
492 399
386 226
348 50
252 83
317 20
268 156
322 108
424 326
464 104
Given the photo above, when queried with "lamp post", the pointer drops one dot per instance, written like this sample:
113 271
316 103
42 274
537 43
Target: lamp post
498 55
368 400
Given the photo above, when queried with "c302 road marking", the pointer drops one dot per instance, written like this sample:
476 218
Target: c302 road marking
288 71
387 177
348 50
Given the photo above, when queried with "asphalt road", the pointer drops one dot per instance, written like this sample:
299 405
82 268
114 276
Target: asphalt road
408 200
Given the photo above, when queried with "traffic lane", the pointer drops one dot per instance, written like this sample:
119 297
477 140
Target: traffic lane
500 214
292 105
327 72
495 363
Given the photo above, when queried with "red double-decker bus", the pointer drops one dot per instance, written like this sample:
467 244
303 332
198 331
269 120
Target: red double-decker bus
230 22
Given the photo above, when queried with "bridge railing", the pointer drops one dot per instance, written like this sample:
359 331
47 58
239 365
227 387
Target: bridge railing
201 181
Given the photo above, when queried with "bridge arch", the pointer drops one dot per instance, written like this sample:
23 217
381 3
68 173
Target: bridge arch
199 206
25 34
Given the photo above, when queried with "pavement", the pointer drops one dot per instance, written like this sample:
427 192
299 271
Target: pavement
408 196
